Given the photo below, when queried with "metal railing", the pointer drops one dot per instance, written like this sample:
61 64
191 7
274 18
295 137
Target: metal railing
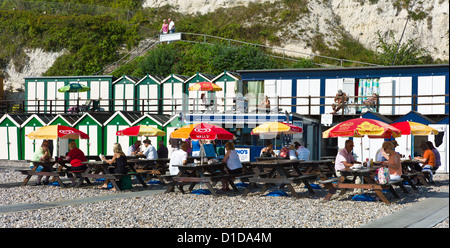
219 105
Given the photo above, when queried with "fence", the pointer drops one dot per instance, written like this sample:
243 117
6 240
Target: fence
239 104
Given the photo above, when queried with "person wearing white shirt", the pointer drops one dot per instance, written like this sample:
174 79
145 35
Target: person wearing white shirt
171 26
293 155
303 152
149 150
177 158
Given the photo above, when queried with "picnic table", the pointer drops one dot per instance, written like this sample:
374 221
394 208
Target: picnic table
279 172
48 169
323 168
101 169
208 174
412 169
258 159
369 183
157 166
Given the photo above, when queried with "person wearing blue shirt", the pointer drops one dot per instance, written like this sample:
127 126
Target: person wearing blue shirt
149 150
195 148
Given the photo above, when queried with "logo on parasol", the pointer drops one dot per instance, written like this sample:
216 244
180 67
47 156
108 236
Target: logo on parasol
66 132
202 130
345 126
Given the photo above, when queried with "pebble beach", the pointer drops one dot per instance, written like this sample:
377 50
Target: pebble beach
176 210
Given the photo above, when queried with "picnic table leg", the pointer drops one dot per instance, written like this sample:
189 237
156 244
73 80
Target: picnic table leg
400 184
331 191
380 195
25 182
392 190
210 187
292 190
139 178
308 186
171 187
114 183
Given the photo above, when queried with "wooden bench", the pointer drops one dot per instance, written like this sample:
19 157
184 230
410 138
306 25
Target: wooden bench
114 178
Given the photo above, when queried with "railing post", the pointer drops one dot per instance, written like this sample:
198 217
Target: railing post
309 105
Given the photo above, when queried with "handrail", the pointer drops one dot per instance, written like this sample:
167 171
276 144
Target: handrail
191 105
282 49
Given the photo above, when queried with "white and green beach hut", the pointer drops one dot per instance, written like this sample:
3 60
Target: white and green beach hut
123 92
194 96
172 89
32 123
228 81
10 136
92 125
62 148
148 93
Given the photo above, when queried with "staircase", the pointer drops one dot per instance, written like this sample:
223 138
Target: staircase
143 47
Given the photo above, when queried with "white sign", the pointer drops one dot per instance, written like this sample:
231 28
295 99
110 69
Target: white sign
244 154
169 37
327 119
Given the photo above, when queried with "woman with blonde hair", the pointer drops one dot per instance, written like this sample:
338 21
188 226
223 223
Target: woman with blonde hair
394 163
120 159
234 165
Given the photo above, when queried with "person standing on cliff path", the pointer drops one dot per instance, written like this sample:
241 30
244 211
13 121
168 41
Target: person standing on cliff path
171 26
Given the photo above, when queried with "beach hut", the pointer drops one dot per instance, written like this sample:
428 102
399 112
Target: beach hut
123 92
45 89
32 123
65 120
172 89
41 91
148 93
92 125
118 121
228 82
101 90
194 96
10 136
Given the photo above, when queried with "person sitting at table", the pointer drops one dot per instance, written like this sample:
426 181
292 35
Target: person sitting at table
303 152
234 165
345 160
196 148
149 150
267 151
428 160
437 155
393 162
178 157
293 154
120 159
134 149
41 154
75 157
381 155
163 152
284 152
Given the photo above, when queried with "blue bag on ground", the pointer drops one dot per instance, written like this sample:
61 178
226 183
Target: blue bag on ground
363 197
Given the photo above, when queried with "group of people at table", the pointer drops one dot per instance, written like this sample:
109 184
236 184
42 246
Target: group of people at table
386 156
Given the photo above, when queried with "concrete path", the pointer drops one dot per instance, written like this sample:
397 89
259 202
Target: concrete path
34 206
424 214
